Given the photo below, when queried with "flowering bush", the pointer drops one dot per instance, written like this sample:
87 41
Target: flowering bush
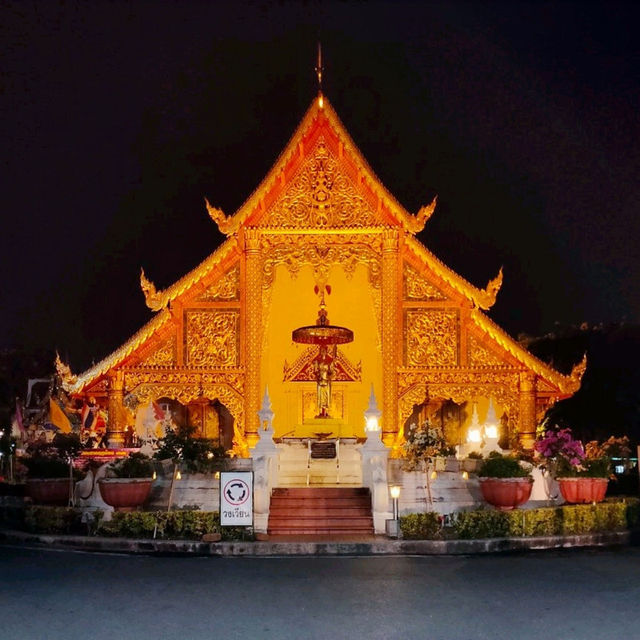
561 454
424 443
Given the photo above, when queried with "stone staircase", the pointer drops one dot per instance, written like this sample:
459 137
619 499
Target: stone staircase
320 511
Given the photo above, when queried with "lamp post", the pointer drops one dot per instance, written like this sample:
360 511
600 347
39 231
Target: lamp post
392 526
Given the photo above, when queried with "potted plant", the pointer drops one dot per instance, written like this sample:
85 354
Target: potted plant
582 475
504 482
128 482
50 472
425 449
472 462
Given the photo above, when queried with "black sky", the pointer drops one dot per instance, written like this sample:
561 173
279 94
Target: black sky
118 118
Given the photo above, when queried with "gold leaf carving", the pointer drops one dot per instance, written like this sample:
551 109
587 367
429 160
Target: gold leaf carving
225 288
480 356
211 338
417 287
163 356
321 254
431 338
320 195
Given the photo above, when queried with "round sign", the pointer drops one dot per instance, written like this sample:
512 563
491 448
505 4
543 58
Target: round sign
236 492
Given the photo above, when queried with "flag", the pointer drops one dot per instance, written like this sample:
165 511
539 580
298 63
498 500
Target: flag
17 426
58 417
87 415
158 412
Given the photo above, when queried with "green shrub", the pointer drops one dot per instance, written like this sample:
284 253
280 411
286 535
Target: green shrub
469 525
577 519
196 455
534 522
44 519
421 526
499 466
633 512
135 465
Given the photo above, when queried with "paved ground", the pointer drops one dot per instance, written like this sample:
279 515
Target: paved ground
560 595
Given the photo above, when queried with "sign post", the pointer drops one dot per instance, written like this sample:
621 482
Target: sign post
236 498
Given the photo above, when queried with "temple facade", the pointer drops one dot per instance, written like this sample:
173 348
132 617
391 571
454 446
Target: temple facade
321 225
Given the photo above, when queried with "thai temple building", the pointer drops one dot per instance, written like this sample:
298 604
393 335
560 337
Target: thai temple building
322 292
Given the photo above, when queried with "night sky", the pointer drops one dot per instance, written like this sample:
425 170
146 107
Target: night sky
117 119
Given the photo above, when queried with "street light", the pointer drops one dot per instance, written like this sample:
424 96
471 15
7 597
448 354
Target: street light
392 526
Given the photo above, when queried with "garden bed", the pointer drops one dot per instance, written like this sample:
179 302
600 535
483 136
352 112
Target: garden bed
566 520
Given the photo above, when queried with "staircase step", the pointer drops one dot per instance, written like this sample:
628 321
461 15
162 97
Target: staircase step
320 510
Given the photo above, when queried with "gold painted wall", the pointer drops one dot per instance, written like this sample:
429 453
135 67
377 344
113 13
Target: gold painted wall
293 304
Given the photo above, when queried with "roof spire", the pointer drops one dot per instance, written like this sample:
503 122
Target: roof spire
319 68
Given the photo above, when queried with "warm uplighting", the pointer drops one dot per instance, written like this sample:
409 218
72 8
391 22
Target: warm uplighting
474 435
178 475
154 476
321 101
434 474
465 475
216 475
394 490
210 455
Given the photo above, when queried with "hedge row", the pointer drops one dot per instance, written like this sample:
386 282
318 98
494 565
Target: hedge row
174 525
546 521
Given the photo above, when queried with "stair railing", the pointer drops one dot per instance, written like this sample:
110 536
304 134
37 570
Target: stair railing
308 461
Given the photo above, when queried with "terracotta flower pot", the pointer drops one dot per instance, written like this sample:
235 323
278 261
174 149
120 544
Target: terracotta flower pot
506 493
52 491
125 493
583 490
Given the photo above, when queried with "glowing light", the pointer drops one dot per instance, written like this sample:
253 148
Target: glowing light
210 455
154 476
434 475
394 490
216 475
491 431
372 424
178 475
465 475
321 101
474 435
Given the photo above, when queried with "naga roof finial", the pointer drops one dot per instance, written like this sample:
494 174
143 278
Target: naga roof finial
415 224
64 371
225 223
152 297
488 295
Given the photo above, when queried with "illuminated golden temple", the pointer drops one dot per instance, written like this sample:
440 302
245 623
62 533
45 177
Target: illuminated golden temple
321 217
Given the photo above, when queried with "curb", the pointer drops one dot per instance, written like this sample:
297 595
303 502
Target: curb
302 548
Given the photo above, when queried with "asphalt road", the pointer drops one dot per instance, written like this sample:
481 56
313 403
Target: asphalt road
547 596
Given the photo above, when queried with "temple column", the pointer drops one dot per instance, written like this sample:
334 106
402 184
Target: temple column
527 412
390 335
253 333
115 411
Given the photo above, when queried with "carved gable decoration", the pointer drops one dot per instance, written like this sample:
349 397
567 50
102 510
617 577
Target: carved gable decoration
211 338
431 338
224 289
163 356
417 287
320 195
302 369
480 356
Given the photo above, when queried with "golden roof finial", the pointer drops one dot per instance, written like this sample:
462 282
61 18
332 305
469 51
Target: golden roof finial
319 68
152 297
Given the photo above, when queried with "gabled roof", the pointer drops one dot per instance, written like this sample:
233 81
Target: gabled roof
322 122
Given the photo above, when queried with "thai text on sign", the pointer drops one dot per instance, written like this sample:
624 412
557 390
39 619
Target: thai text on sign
236 498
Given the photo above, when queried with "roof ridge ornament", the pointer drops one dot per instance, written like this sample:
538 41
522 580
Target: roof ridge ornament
152 297
67 378
415 224
489 294
319 68
225 223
